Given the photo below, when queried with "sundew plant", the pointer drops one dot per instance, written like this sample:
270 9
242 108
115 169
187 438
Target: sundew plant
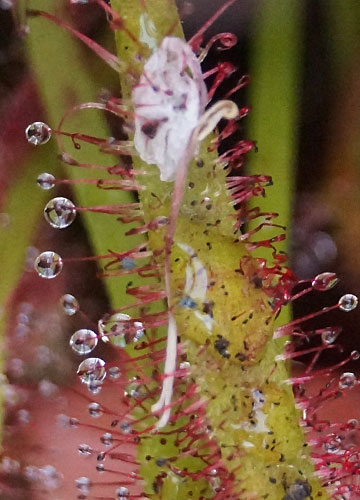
183 386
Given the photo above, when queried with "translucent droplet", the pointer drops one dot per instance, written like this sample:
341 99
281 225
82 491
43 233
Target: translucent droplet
85 450
107 438
95 410
83 341
70 304
347 380
47 389
332 444
48 265
120 325
66 421
353 423
95 387
83 484
114 372
324 281
38 133
134 389
100 467
355 355
45 181
185 365
122 493
60 212
348 302
92 370
330 334
125 427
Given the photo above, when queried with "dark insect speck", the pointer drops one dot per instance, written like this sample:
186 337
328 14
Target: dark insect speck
221 345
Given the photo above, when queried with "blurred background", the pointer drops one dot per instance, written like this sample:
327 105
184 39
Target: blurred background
303 60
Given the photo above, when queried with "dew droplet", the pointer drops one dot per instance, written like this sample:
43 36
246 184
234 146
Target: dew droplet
324 281
125 427
353 423
69 304
122 493
48 265
38 133
95 409
92 370
107 439
95 387
60 212
332 444
348 302
45 181
83 341
120 325
347 380
134 389
100 468
114 372
355 355
85 450
83 484
330 334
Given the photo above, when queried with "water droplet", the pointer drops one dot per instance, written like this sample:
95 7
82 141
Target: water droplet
120 325
332 444
355 355
122 493
23 416
114 372
185 365
95 410
6 4
83 341
60 212
38 133
95 387
101 456
45 181
48 265
47 389
70 304
324 281
107 439
66 421
125 427
128 263
100 467
85 450
330 334
83 484
134 389
348 302
92 370
347 380
353 423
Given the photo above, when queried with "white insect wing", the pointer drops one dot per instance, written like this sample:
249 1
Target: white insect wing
168 100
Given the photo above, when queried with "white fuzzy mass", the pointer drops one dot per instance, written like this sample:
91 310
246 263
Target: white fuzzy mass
168 101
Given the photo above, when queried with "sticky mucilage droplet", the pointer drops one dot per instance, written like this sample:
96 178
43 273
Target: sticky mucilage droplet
60 212
38 133
83 341
48 265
